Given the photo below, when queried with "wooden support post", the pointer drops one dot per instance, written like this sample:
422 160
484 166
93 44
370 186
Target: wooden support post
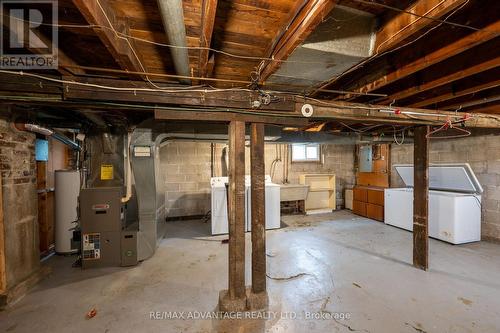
421 199
234 299
3 268
257 297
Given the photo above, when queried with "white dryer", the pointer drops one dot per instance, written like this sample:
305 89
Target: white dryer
272 198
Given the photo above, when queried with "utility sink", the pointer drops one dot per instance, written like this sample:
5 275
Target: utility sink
293 192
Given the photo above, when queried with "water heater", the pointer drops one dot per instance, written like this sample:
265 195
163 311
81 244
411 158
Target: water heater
67 189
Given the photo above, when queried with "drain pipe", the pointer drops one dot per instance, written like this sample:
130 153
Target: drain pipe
49 132
172 15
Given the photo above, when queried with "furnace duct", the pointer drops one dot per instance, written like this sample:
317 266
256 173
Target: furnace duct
50 133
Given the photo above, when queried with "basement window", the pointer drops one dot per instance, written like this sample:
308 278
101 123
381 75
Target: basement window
305 152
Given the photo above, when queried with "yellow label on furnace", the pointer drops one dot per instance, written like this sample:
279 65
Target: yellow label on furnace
106 172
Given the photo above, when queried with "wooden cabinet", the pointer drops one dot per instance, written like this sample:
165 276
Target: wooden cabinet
360 194
369 202
359 208
321 197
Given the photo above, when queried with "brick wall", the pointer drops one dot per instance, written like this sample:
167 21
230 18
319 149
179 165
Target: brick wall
483 154
187 167
17 165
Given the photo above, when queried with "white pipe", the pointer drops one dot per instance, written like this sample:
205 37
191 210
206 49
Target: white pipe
128 195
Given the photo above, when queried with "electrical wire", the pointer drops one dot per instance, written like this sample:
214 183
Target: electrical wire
247 83
131 89
363 130
399 143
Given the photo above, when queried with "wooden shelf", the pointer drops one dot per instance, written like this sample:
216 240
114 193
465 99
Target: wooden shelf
322 196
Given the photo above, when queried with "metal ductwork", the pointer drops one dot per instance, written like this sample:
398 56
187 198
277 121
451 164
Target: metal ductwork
172 15
49 132
345 38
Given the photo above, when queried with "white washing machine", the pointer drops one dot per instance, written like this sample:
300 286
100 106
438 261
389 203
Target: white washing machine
273 213
219 205
219 214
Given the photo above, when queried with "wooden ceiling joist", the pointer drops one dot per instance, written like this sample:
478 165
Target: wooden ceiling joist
493 109
477 103
300 26
455 76
207 26
109 29
404 26
453 93
433 58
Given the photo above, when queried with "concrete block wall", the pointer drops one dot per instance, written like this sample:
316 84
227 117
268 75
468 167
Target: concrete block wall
18 172
483 154
187 167
187 173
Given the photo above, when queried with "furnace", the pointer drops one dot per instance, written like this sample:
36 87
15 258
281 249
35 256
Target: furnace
106 238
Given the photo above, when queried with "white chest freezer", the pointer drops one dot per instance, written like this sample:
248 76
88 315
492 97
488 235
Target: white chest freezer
219 216
454 203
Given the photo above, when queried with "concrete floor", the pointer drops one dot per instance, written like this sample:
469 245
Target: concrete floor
343 265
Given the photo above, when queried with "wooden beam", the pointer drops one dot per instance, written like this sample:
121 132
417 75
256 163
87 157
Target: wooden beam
405 26
209 9
236 210
226 99
257 173
452 94
378 114
3 270
289 106
28 85
432 58
227 116
97 13
421 199
455 76
299 28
